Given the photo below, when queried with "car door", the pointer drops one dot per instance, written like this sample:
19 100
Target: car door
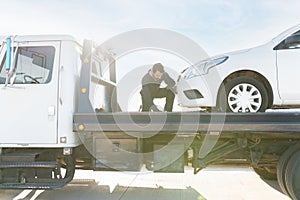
29 105
288 67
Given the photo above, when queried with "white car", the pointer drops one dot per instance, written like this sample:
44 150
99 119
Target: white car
250 80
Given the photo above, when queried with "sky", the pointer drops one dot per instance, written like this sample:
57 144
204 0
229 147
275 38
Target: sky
217 26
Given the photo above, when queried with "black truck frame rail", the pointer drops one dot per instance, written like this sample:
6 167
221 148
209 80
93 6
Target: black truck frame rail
191 122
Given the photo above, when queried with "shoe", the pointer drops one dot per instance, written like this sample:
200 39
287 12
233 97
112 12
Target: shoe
154 109
99 110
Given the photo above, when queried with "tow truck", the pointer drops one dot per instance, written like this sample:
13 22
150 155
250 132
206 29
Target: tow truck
49 127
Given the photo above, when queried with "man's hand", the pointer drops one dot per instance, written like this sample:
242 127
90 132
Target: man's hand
173 89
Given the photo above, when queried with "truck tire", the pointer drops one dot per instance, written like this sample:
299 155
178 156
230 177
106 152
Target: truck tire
242 94
292 176
281 167
265 174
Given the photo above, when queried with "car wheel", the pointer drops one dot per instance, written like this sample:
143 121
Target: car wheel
242 94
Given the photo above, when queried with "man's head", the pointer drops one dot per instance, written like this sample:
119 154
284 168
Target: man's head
157 70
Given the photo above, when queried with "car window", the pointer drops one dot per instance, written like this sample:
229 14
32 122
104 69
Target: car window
33 65
285 45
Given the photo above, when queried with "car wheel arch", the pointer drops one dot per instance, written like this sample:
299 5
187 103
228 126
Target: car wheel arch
252 74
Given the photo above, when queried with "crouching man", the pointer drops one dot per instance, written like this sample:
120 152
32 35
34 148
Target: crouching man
151 89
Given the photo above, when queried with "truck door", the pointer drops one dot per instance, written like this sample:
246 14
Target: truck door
29 106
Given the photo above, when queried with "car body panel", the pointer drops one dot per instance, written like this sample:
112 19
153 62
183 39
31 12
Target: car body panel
264 60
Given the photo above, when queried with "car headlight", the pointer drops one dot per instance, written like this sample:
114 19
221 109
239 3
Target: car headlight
203 67
212 63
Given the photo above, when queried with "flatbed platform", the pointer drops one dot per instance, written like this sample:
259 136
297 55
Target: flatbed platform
192 122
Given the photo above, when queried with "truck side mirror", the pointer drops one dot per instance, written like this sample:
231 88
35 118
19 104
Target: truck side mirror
8 54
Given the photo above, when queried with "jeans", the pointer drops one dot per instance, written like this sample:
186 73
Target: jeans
152 91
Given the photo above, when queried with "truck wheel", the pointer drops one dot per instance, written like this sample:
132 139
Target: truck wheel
281 167
265 173
242 94
292 176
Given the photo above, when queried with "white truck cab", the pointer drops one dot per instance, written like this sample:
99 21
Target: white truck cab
39 98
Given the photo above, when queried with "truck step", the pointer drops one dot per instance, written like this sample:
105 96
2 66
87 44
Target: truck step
28 165
41 186
19 156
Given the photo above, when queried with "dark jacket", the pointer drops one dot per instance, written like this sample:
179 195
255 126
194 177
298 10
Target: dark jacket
148 79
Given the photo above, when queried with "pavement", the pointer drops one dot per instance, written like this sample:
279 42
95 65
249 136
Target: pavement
213 183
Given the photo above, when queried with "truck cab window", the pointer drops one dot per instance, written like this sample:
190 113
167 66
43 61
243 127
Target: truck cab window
33 65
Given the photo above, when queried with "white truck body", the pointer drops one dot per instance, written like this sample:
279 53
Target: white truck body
41 115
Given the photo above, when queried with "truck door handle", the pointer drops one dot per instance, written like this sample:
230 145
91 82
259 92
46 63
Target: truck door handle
51 111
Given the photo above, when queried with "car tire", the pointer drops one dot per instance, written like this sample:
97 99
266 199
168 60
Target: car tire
242 94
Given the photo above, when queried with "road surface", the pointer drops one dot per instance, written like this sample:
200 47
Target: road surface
213 183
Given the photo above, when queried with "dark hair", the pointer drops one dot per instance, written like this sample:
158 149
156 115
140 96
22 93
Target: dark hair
158 67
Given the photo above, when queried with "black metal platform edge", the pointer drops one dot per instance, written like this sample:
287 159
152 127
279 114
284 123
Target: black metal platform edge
187 122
